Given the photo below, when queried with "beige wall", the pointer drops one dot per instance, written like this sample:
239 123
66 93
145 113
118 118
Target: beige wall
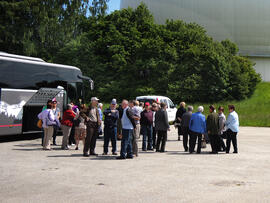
263 67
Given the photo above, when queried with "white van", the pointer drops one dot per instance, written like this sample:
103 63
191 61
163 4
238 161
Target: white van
171 107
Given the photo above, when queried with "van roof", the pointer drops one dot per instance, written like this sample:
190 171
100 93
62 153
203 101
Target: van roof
152 97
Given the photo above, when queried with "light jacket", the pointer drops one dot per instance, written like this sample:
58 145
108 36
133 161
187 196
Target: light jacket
233 122
197 123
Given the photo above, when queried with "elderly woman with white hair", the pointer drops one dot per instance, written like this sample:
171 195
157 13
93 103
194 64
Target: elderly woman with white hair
197 127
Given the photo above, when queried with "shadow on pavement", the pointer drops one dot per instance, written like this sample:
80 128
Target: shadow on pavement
103 158
27 145
12 138
65 155
187 153
33 149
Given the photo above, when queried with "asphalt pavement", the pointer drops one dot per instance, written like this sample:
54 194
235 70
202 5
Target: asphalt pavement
29 174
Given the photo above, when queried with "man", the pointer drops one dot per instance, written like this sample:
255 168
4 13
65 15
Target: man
197 127
146 125
232 125
162 126
56 112
185 126
134 106
178 118
221 121
128 124
212 124
110 127
92 124
154 133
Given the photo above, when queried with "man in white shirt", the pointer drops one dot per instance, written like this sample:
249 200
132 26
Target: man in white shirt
128 124
232 124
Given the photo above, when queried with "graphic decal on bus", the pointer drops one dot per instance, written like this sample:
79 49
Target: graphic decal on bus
14 111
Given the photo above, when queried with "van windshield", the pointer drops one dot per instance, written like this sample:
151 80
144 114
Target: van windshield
146 100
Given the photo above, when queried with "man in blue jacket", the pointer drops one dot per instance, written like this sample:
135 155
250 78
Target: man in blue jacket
197 127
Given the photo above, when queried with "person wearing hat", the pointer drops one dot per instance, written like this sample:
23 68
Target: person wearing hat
92 124
56 112
110 127
146 126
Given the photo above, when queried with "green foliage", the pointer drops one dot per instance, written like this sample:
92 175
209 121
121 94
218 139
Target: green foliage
126 52
253 111
39 27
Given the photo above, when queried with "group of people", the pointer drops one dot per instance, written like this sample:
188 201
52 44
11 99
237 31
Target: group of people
195 127
131 119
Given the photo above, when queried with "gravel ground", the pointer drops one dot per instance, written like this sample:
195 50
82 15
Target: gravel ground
29 174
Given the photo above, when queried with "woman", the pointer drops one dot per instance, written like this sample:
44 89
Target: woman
222 120
161 126
80 127
48 123
178 118
67 123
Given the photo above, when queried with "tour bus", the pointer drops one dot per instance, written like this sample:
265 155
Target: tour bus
27 83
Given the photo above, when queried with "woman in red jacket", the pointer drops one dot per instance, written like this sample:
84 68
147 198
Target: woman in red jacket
66 126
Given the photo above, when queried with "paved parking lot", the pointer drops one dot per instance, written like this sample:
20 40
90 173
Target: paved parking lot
28 174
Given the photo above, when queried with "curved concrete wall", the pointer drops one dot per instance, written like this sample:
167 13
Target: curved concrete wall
245 22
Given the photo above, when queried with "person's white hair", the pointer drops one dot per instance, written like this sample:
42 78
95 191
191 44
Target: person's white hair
100 105
200 109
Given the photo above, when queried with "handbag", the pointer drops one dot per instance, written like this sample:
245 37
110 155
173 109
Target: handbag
39 123
203 143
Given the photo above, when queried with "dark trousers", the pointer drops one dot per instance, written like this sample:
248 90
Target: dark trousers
154 135
147 136
185 137
162 138
231 136
192 141
110 133
180 130
215 142
90 140
55 129
126 143
71 139
222 144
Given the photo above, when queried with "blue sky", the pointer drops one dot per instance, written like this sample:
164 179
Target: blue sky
113 5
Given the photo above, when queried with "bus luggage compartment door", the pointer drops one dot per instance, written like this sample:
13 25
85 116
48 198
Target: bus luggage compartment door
34 106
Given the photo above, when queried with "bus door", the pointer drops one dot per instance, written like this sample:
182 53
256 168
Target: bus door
35 105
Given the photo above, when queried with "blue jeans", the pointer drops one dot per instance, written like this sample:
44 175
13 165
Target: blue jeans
147 137
126 143
110 134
